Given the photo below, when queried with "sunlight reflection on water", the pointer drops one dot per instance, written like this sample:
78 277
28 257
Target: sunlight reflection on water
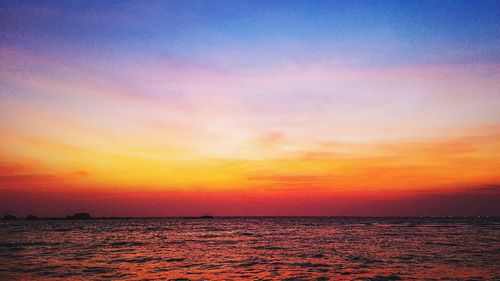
252 249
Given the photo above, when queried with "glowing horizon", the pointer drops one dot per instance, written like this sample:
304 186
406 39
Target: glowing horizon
240 108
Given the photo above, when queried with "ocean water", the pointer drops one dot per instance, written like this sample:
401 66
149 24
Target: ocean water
281 248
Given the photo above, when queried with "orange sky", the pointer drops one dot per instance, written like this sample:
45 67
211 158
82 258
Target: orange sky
156 130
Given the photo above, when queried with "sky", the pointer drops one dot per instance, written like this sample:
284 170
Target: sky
250 108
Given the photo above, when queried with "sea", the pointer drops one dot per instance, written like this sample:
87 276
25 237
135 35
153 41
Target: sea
252 248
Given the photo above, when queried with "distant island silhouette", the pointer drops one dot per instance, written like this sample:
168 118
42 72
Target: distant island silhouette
32 218
80 216
77 216
9 218
87 216
206 217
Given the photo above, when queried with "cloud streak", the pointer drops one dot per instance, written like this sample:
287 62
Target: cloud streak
165 97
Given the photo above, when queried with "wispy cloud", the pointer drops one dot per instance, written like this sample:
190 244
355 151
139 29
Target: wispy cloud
240 99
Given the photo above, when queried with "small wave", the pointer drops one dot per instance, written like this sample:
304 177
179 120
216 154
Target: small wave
175 259
98 270
310 264
209 236
211 228
26 244
314 256
406 258
135 260
249 234
127 244
383 278
62 229
294 279
364 260
269 247
115 276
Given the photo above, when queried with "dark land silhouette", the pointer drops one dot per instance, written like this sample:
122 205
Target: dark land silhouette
79 216
32 218
206 217
87 216
9 218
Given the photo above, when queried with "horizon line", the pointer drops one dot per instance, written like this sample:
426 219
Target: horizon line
250 216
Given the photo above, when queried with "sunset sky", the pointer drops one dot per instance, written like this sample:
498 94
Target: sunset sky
175 108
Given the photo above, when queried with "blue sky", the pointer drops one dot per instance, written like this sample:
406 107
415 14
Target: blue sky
260 32
232 100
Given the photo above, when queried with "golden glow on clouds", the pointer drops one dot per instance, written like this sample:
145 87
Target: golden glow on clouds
283 129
